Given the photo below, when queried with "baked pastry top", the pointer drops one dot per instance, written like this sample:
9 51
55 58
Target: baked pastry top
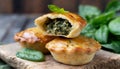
56 24
32 38
79 44
73 51
32 35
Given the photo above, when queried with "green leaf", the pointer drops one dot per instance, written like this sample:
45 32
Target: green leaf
30 54
88 11
5 67
114 45
89 30
2 62
102 19
117 37
113 5
101 34
114 26
56 9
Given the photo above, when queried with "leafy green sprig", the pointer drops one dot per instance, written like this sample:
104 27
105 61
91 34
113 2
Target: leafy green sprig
56 9
105 26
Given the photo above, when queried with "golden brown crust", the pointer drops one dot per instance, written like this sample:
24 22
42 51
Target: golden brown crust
77 18
33 38
79 44
76 21
75 51
32 35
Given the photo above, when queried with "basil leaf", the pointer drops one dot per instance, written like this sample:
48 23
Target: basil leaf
56 9
114 26
113 5
114 45
102 19
30 54
101 34
88 11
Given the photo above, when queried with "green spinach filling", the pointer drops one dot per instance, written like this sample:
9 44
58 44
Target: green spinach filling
58 26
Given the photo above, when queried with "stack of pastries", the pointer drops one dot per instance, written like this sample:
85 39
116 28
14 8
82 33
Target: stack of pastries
59 33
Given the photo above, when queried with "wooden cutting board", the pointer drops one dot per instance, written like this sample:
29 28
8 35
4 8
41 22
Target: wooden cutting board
102 60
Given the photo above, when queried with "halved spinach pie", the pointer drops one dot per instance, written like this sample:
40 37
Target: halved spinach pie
67 24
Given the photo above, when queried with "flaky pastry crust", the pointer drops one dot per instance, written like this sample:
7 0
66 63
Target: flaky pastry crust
33 38
76 21
75 51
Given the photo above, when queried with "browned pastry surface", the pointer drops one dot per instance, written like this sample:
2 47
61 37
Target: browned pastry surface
33 38
77 22
73 51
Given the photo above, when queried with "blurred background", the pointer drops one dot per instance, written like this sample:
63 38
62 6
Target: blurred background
40 6
17 15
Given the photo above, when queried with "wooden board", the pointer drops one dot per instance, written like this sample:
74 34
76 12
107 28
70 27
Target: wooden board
102 60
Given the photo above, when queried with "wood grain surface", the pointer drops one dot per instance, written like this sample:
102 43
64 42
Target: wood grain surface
102 60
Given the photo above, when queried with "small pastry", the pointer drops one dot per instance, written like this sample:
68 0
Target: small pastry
33 38
73 51
67 24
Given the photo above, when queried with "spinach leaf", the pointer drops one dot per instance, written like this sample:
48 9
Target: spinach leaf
88 11
117 37
30 54
113 5
5 67
114 45
114 26
56 9
96 22
103 26
102 19
2 62
101 34
89 30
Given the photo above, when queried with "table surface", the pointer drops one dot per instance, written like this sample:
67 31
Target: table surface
13 23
